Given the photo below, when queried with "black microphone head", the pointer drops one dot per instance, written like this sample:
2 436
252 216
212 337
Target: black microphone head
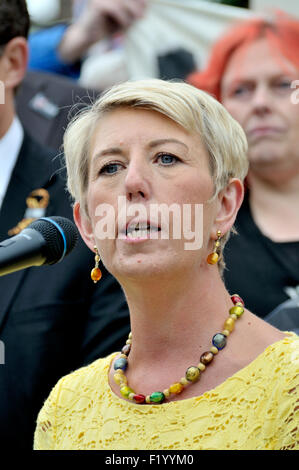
60 235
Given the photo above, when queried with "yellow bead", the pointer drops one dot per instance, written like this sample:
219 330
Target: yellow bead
214 350
229 324
130 335
212 258
166 392
184 381
131 396
120 379
125 391
176 388
148 398
201 366
117 378
236 310
225 332
123 381
129 341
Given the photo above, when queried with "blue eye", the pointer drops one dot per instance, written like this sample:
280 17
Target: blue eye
109 169
167 159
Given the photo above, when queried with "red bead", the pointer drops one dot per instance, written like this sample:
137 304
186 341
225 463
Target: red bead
139 398
236 298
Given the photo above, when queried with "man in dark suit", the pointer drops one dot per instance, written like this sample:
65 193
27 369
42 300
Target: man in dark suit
45 102
53 319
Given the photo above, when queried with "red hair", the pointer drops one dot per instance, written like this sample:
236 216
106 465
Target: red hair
282 33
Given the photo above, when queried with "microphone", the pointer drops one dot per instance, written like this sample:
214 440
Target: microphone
45 241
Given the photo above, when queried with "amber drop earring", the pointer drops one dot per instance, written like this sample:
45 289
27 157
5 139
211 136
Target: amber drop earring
213 257
96 273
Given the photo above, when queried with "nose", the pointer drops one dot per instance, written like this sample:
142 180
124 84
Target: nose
137 183
261 100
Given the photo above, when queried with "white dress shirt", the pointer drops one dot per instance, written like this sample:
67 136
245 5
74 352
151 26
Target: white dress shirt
10 146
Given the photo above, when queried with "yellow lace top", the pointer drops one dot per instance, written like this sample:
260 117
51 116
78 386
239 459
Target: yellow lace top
256 408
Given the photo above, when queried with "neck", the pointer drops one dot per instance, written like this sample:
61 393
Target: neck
173 318
278 182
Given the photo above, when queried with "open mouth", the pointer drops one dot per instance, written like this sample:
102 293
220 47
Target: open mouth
141 230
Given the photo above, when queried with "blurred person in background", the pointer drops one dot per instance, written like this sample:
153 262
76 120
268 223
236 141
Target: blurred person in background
52 318
251 71
62 48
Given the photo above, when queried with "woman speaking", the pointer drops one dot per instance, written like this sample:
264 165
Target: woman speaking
198 371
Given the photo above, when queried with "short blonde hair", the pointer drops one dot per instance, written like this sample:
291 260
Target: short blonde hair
195 110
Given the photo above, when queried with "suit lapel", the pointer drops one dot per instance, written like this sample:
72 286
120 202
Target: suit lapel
32 171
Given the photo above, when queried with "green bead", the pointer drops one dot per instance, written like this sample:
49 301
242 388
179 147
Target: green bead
192 374
125 391
157 397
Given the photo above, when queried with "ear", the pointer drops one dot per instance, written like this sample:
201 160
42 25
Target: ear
228 204
15 59
84 226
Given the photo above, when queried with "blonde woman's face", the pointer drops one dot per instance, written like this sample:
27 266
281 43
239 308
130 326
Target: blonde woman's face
256 90
141 159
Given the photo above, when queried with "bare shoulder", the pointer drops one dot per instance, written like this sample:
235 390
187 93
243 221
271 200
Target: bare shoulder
264 332
254 336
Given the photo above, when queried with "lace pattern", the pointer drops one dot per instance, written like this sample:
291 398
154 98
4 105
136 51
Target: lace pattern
256 408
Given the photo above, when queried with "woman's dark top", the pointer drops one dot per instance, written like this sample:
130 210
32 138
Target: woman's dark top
258 269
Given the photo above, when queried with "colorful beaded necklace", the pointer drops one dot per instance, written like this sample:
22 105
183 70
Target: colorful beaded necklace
192 373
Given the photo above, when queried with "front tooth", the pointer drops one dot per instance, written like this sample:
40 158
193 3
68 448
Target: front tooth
137 234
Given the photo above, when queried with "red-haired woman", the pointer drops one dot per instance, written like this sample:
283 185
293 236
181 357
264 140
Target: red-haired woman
252 71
